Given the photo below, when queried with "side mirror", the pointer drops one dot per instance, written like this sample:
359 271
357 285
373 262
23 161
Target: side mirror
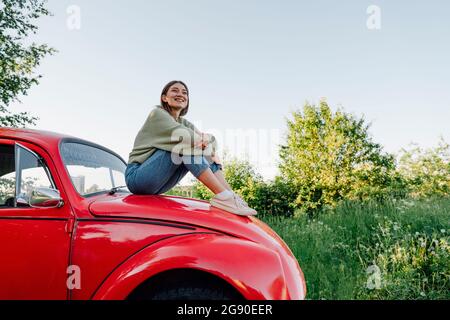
45 198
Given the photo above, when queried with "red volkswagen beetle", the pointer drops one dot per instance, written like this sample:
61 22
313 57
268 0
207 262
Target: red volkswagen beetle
69 230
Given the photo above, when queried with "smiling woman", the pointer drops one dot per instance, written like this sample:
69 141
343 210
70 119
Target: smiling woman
168 147
175 98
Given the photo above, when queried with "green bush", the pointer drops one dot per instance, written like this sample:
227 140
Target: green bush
276 197
427 172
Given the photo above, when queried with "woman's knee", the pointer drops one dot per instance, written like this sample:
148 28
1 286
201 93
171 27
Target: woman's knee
193 159
196 164
215 167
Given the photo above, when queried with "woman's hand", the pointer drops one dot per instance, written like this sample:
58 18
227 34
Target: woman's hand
215 158
204 141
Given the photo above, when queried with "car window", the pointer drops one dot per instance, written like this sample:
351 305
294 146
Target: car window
7 176
91 169
31 173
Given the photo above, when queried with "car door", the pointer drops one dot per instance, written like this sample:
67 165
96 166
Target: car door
34 243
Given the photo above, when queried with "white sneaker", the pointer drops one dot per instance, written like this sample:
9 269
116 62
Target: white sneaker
245 204
233 204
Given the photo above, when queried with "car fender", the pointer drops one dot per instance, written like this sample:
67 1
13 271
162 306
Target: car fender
243 264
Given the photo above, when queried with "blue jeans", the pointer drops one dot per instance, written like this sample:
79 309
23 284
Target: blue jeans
163 170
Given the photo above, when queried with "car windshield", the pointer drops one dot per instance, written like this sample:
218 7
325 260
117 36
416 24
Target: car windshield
91 169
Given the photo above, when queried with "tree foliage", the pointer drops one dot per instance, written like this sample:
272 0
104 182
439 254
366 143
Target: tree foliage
330 156
276 197
427 172
18 59
239 174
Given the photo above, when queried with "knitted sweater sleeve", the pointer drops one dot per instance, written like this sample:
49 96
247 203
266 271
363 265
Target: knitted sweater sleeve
212 140
163 132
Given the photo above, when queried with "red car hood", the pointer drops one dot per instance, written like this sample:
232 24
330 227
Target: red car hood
186 211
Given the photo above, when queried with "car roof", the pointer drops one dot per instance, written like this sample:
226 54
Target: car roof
40 137
46 139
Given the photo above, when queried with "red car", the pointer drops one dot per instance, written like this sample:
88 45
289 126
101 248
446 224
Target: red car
69 230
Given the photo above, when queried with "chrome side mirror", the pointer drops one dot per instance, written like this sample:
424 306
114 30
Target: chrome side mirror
45 198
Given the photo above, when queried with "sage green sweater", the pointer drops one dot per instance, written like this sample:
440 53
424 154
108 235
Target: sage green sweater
162 131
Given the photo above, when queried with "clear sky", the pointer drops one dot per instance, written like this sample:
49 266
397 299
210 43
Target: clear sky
248 64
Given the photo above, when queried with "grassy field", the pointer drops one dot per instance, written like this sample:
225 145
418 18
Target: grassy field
395 250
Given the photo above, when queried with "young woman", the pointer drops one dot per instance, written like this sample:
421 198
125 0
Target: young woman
168 146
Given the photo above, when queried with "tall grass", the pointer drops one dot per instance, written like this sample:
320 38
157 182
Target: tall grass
393 250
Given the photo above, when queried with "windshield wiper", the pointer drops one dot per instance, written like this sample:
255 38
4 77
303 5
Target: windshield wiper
115 189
